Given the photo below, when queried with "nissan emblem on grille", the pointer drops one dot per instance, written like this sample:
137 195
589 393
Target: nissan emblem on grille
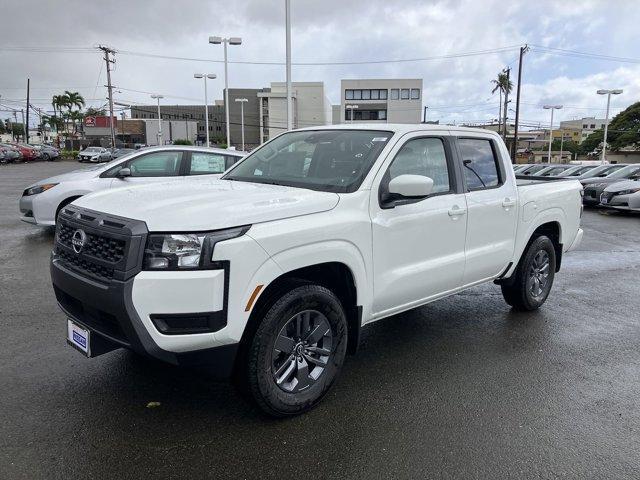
78 240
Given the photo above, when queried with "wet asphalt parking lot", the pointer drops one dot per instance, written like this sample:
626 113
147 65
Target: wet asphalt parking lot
461 388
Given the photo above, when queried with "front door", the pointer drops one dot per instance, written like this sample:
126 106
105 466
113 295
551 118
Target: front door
152 167
418 243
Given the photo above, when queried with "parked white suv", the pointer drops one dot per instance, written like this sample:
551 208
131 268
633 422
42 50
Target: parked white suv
41 202
269 273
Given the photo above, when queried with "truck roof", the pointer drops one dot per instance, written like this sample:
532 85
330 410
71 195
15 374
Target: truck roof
401 128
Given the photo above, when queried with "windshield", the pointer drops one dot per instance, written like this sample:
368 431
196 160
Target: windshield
92 149
325 160
626 172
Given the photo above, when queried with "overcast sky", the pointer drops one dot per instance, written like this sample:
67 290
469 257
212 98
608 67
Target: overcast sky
455 89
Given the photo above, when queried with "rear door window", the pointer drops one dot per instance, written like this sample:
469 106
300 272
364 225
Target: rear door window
204 163
480 163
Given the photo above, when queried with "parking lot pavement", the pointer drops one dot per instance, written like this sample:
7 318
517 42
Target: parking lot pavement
462 388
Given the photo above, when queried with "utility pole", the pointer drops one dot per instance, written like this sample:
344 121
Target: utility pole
514 146
26 138
24 132
424 116
506 102
109 61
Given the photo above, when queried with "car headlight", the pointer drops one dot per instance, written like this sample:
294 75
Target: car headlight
38 189
627 192
185 251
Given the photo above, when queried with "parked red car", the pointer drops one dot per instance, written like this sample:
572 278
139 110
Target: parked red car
28 153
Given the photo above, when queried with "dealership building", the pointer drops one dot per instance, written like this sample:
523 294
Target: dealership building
381 101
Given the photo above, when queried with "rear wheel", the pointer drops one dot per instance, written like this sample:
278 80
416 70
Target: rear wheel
45 157
297 351
533 276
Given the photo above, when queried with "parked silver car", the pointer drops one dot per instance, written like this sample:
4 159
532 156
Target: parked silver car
623 195
94 155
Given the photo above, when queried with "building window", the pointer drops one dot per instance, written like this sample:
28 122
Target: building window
357 94
366 94
383 94
365 115
375 94
404 94
415 94
585 126
348 94
395 94
593 125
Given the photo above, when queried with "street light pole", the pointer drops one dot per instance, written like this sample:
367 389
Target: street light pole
552 108
608 93
204 76
158 97
287 8
225 42
242 102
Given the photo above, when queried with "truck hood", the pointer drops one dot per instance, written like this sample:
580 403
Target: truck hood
208 204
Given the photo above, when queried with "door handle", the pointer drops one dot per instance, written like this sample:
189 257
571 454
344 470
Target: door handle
507 202
456 211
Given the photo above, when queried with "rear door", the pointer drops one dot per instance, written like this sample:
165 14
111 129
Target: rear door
208 163
492 207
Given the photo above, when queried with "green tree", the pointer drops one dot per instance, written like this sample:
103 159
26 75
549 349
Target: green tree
2 128
624 131
74 99
182 141
95 112
503 85
567 146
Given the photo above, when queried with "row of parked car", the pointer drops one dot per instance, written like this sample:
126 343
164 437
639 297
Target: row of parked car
609 185
101 154
19 152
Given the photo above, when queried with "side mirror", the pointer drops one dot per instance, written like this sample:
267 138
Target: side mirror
411 186
123 172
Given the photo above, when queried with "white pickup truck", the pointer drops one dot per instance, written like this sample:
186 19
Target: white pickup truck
269 274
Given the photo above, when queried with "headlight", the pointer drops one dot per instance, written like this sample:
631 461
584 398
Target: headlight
627 192
185 251
38 189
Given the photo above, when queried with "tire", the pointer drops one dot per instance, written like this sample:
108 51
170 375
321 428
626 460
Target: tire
533 276
287 373
45 157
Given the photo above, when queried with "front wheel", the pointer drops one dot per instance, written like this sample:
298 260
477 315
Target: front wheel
297 351
533 276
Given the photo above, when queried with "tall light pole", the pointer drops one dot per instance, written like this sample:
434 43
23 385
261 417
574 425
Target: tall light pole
242 102
608 93
287 8
204 76
158 97
351 107
552 108
225 42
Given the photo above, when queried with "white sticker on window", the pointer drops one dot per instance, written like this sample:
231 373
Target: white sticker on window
379 139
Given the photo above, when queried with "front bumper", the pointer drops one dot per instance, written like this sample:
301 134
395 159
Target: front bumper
130 308
32 214
108 311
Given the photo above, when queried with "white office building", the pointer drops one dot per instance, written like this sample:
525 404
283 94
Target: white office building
381 100
311 107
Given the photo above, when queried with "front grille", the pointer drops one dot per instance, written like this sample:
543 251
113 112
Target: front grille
112 245
97 246
85 265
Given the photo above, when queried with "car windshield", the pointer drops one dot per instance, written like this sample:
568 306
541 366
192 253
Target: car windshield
626 172
92 149
327 160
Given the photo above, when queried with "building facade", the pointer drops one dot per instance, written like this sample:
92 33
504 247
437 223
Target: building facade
381 100
311 107
581 128
217 119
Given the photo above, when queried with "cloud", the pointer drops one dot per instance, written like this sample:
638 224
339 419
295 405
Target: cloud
331 30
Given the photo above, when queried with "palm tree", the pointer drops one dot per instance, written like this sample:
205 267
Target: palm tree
58 102
503 85
74 99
